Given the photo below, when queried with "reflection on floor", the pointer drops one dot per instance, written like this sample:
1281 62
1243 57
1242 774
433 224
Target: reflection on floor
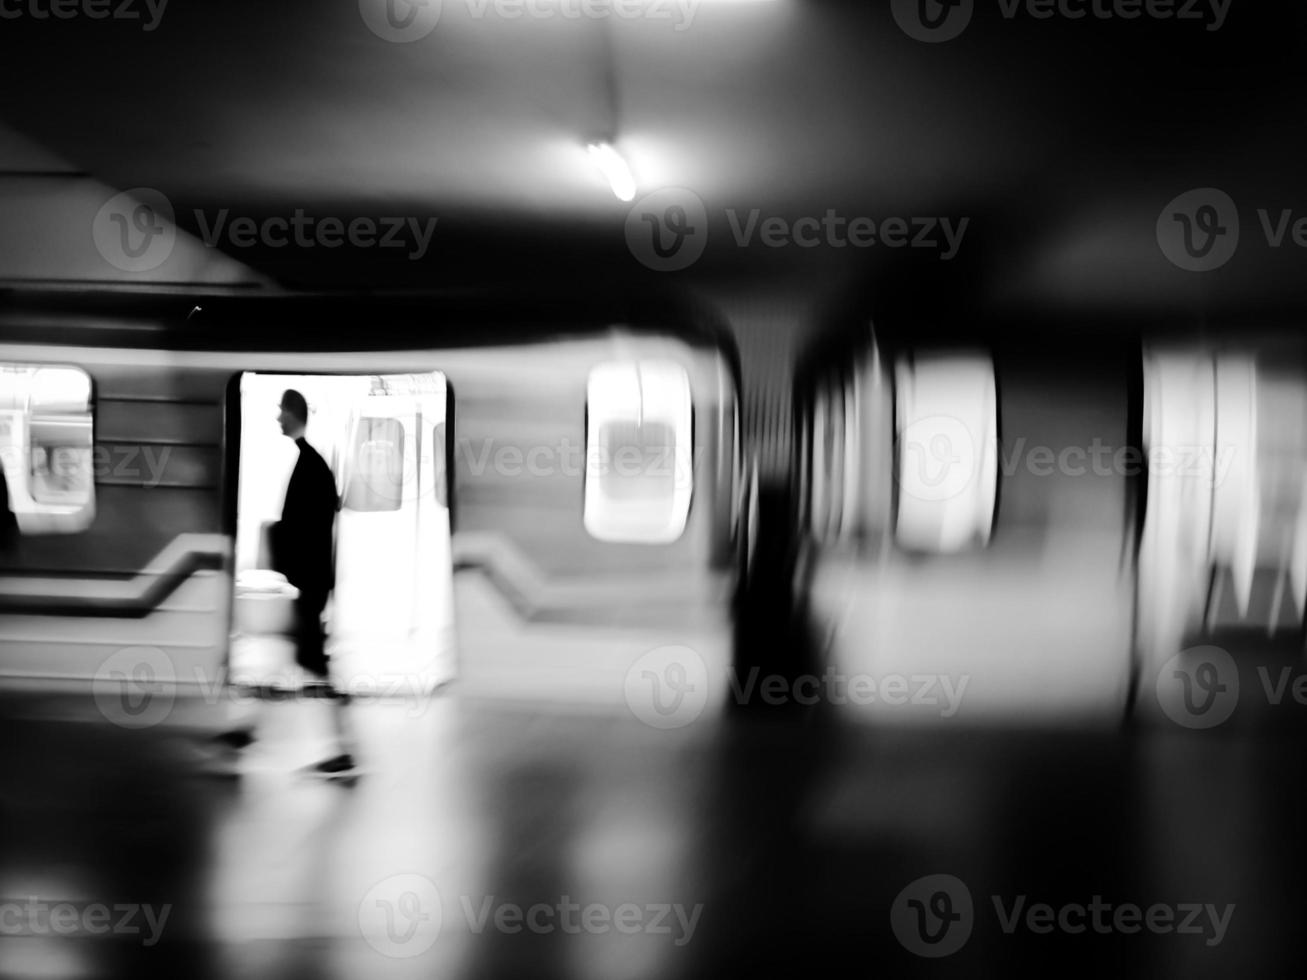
743 847
407 667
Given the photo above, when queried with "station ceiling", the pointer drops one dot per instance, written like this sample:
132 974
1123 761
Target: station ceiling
1050 143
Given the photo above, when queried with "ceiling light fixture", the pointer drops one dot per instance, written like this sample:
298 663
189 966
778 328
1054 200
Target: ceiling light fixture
615 169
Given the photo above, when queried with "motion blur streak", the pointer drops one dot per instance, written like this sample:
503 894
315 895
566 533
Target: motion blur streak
1026 607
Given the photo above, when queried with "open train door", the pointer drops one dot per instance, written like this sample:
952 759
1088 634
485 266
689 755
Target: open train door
390 618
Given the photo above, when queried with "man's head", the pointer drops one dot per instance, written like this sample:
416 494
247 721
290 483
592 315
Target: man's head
294 415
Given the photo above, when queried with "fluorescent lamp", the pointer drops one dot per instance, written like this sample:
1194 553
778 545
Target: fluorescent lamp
613 167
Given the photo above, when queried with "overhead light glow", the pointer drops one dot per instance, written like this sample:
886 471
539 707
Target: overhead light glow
613 167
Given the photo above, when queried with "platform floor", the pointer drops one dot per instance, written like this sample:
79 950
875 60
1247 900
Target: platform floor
792 835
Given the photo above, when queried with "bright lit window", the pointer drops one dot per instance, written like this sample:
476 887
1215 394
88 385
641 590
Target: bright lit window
638 477
377 471
46 443
1234 474
947 432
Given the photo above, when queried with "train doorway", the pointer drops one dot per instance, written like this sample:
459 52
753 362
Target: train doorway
389 620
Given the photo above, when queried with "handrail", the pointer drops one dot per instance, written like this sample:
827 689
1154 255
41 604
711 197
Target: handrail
131 598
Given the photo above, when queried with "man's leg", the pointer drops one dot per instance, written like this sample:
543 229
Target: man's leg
311 654
238 717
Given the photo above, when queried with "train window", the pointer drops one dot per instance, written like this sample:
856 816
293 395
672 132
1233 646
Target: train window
46 443
376 480
1174 560
1237 492
638 476
947 456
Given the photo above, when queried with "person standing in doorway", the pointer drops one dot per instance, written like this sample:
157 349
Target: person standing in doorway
302 548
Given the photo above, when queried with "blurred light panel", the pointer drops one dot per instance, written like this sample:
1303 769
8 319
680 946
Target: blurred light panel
947 452
638 478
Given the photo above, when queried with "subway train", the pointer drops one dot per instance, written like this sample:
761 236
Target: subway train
986 534
527 518
1009 535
